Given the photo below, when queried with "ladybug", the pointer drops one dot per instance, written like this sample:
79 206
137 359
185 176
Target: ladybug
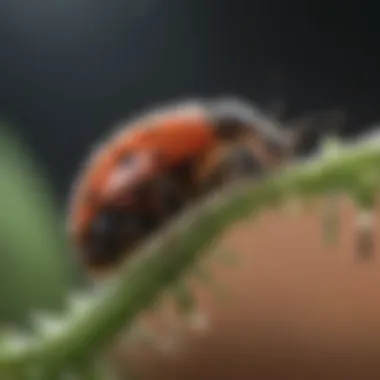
154 166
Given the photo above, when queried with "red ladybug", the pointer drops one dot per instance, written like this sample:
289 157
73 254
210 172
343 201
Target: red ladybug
152 167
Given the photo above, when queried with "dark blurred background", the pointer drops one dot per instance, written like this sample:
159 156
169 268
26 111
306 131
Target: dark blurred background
70 69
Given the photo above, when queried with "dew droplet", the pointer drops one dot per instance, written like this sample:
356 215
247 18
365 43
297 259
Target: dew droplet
199 321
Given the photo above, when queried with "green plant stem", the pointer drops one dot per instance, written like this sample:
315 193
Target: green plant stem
162 261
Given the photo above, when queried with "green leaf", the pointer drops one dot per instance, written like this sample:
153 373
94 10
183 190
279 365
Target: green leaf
33 266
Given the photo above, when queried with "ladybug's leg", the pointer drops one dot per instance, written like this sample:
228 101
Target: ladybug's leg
229 163
207 173
167 198
241 162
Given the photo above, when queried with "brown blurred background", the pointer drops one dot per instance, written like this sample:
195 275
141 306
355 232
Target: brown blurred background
299 308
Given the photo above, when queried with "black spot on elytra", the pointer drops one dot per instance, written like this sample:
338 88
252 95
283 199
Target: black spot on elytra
112 232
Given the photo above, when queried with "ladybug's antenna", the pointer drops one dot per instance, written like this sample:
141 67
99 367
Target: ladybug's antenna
308 130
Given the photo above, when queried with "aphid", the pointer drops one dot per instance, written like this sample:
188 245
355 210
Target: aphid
152 167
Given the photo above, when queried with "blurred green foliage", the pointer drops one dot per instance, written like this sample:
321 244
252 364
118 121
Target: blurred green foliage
35 270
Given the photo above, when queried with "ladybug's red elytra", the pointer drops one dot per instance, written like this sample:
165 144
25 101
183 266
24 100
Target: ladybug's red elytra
152 167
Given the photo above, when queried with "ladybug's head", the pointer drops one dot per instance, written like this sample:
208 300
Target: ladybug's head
281 140
239 121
